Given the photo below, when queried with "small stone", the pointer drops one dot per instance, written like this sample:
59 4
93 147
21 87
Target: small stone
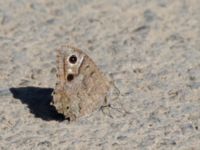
121 137
45 143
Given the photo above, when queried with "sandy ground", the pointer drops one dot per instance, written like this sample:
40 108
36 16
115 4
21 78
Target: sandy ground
150 48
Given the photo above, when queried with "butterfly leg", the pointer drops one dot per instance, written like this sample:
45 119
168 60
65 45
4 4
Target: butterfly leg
103 108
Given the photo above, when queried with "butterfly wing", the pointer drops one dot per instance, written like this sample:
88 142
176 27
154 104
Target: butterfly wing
81 87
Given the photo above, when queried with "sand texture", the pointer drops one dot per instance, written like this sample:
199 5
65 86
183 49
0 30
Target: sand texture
150 48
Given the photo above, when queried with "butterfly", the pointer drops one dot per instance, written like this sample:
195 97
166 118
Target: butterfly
81 87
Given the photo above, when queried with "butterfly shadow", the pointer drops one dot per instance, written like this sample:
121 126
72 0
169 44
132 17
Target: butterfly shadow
38 100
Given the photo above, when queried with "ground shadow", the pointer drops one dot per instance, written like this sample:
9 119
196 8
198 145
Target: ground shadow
38 101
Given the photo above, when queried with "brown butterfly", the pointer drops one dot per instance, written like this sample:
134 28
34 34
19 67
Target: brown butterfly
81 87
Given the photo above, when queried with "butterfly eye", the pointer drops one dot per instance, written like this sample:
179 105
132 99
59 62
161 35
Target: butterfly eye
73 59
70 77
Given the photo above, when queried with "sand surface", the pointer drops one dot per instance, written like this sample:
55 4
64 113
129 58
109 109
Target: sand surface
150 48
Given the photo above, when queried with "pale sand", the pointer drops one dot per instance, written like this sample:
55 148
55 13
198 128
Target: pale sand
151 49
